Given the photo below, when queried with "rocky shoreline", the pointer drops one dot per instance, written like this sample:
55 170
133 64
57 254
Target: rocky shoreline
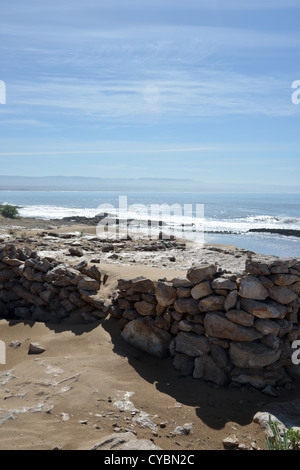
46 224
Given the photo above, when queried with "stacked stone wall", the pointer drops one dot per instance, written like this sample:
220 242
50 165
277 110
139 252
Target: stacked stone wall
43 289
218 326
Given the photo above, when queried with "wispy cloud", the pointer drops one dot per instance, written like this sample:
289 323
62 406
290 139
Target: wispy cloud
172 97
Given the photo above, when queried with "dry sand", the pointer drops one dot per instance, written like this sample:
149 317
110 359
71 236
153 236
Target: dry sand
66 397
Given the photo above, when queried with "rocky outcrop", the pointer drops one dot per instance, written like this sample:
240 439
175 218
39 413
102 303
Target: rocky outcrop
218 326
42 289
124 441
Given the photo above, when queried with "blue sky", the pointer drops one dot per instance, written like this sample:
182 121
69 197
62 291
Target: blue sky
179 89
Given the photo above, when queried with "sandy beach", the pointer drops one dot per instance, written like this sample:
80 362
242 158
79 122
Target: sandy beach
89 383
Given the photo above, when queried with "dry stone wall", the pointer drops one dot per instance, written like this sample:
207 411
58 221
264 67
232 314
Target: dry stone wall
42 289
215 325
218 326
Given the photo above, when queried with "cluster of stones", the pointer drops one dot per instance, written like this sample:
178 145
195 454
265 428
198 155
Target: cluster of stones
44 290
218 326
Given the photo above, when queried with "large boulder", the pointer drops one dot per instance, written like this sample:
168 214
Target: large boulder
284 279
266 309
211 303
252 288
144 335
165 294
191 344
145 308
217 325
282 294
201 272
201 290
250 355
187 305
207 369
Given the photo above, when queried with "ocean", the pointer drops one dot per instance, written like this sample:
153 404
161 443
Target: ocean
224 218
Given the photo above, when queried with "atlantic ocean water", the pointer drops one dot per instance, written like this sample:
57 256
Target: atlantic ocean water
228 218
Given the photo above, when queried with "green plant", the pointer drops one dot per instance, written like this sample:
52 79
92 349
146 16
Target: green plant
294 438
288 439
9 211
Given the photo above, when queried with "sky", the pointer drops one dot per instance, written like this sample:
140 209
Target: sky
194 89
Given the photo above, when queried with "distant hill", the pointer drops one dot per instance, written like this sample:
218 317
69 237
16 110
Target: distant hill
78 183
81 183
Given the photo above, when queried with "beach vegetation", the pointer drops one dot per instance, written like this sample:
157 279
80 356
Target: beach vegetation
288 439
9 211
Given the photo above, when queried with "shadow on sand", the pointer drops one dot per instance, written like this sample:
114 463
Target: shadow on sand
213 405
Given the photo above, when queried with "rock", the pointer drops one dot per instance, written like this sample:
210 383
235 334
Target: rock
183 363
267 309
271 391
43 265
282 294
28 296
22 312
76 299
223 283
35 348
250 355
184 430
144 335
296 288
271 341
183 292
124 441
187 305
181 282
12 261
257 267
230 442
266 326
211 303
89 284
65 417
220 357
185 325
107 248
207 369
217 325
143 285
191 344
76 251
279 267
81 265
284 279
240 317
201 290
258 378
231 300
93 299
92 272
287 413
252 288
15 344
201 272
144 308
165 294
47 295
